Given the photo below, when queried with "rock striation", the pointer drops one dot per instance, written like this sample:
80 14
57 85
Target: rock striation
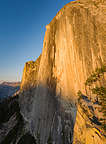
74 46
30 72
12 125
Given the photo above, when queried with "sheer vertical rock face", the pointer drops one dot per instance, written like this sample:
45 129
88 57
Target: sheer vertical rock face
74 45
30 72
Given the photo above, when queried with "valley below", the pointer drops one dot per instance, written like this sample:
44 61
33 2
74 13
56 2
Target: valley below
62 95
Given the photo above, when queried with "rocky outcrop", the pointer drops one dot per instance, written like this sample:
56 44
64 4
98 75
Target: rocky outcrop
84 132
12 125
30 72
74 46
87 129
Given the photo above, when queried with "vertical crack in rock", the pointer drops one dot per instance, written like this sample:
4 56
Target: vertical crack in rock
73 48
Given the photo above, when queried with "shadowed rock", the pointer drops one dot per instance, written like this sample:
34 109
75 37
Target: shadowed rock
74 46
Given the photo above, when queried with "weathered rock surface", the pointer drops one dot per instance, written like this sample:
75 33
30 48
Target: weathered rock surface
12 126
30 72
74 46
87 129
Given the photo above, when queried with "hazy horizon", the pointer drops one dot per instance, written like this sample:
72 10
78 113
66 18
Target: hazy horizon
22 30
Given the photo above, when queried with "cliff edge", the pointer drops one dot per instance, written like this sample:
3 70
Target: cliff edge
73 48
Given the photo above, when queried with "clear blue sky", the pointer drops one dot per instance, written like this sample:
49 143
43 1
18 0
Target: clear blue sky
22 29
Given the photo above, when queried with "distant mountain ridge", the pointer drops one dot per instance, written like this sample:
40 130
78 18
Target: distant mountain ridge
11 83
62 94
1 81
8 88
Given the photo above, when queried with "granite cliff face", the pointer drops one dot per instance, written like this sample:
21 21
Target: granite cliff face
74 46
30 72
12 124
